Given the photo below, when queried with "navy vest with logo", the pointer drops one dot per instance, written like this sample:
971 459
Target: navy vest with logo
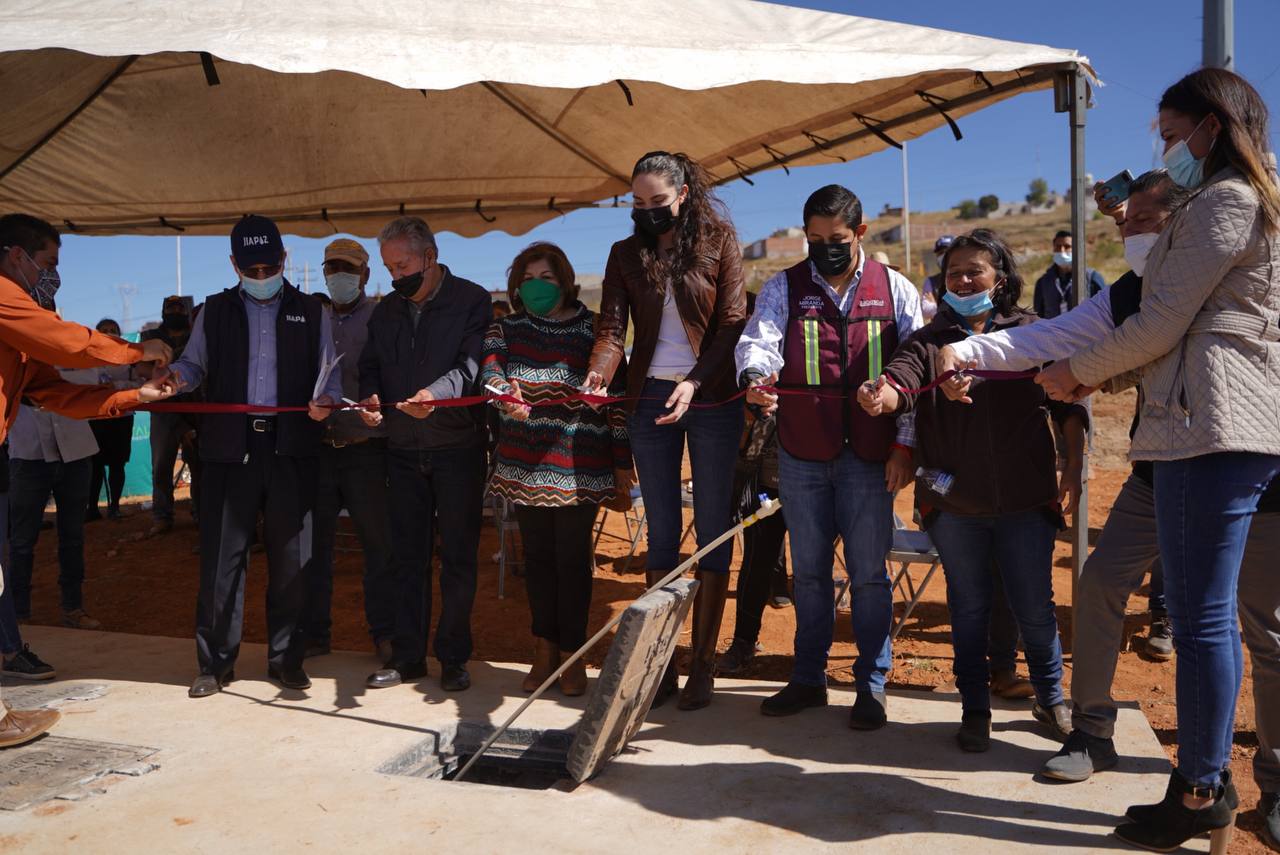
224 437
827 355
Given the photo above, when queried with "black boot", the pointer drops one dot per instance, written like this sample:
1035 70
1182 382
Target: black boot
1143 813
1170 824
670 684
708 609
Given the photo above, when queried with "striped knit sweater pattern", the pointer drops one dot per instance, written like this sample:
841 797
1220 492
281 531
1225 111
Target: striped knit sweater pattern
562 454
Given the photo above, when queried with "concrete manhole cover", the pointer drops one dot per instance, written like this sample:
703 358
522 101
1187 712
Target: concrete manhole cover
61 767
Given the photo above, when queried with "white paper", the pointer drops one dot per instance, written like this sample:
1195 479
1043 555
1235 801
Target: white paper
322 379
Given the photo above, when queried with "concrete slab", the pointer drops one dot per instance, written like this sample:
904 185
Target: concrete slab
265 770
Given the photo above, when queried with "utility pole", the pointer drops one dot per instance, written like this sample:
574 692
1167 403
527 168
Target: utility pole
306 277
906 216
179 240
1219 34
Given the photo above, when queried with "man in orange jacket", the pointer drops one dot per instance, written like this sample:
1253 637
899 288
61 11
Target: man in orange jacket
33 340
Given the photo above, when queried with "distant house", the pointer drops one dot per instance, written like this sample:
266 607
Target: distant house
920 232
784 243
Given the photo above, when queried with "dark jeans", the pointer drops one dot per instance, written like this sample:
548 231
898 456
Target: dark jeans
1002 643
167 430
113 475
764 559
713 434
429 488
1022 545
821 501
1204 507
353 477
281 489
31 483
1155 599
558 562
10 632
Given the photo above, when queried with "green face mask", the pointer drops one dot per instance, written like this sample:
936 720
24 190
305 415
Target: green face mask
539 296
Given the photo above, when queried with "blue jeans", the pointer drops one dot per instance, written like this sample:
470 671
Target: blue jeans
1022 545
714 433
845 498
1204 506
30 485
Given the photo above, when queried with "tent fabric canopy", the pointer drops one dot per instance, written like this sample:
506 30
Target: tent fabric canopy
143 117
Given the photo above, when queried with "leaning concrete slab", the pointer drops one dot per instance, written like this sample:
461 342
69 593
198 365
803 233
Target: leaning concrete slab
622 694
263 770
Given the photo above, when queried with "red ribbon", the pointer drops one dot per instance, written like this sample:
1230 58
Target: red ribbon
204 407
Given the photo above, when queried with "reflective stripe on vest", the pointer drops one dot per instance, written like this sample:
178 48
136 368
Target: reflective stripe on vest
812 351
875 358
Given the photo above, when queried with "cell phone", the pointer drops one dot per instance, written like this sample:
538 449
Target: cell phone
1116 188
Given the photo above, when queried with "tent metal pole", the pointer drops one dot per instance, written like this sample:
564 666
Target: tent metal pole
1078 104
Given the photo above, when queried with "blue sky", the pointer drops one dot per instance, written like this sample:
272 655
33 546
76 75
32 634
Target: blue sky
1138 48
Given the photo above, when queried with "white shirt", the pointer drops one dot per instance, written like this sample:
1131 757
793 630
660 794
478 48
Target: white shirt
42 435
673 355
1046 340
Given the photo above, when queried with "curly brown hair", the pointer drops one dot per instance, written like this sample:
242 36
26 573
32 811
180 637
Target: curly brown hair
558 262
703 218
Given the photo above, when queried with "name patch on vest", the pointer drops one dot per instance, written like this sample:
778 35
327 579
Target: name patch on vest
811 302
862 304
297 319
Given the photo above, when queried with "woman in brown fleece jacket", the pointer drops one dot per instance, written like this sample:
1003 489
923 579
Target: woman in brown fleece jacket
987 486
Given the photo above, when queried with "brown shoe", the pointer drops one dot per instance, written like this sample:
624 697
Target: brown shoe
78 619
546 659
22 726
708 608
573 682
1007 684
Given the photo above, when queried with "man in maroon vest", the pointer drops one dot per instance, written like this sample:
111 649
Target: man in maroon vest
819 330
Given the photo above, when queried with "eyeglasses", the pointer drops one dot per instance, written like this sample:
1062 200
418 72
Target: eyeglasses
262 271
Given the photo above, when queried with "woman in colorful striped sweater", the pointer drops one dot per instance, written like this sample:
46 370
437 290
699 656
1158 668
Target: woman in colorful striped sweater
557 462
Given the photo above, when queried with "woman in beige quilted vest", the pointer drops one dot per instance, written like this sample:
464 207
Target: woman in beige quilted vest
1208 347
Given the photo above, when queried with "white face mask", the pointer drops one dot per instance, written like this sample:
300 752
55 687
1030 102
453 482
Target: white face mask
1136 250
1062 259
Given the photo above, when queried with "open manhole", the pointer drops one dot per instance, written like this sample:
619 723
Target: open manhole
616 708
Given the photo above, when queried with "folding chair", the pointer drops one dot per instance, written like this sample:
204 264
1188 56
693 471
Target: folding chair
634 520
909 547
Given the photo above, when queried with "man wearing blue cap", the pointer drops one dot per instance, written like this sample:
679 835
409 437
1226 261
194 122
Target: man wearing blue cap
262 343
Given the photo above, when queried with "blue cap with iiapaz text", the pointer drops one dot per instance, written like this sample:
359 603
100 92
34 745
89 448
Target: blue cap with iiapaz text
256 240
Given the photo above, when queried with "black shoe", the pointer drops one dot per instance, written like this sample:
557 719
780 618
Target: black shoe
209 684
793 698
396 673
1269 813
737 657
1081 756
669 685
975 731
1170 824
25 665
290 678
1057 717
92 515
868 712
316 648
1143 813
454 678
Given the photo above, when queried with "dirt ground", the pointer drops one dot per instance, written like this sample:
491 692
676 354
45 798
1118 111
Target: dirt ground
148 585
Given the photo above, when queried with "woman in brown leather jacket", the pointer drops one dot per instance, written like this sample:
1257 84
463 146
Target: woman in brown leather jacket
678 278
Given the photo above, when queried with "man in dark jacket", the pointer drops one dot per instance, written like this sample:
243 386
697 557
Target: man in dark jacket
424 346
1055 295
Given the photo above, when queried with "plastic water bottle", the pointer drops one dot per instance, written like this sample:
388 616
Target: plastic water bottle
936 480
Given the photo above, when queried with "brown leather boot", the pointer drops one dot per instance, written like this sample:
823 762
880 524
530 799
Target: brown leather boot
573 682
708 608
670 684
20 726
546 659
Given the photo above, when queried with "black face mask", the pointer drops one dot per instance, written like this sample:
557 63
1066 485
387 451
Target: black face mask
174 321
654 221
831 259
407 286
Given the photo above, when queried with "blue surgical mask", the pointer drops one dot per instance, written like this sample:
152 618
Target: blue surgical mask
262 289
1062 259
970 306
1185 169
344 288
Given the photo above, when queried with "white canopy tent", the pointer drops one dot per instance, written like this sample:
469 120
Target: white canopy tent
148 117
179 116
